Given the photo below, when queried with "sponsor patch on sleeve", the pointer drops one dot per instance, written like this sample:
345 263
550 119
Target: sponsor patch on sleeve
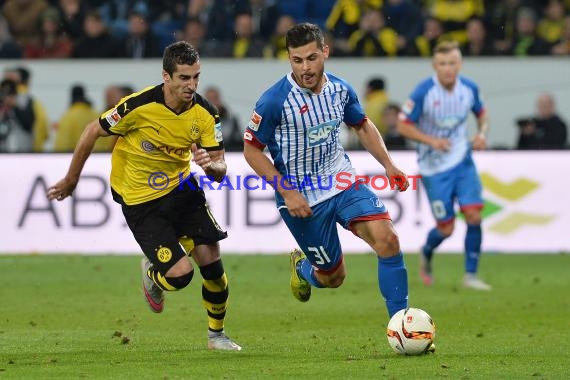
218 132
408 106
254 121
113 118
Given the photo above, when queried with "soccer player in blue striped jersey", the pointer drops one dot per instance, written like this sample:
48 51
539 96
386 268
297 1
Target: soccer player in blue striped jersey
299 119
435 115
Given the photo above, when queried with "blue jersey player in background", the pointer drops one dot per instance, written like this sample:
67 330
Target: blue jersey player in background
299 119
435 115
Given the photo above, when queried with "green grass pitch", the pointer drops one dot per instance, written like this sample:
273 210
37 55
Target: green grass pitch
73 317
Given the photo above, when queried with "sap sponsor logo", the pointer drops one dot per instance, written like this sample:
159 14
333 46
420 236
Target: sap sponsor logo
448 122
319 134
254 121
113 117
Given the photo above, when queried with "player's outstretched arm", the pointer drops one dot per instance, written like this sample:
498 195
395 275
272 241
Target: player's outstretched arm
66 185
410 131
373 142
263 167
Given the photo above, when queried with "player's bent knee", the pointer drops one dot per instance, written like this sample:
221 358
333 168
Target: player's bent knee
388 245
180 282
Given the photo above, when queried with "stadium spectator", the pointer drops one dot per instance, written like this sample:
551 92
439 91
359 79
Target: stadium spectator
375 99
114 93
9 49
96 41
194 31
526 42
551 25
276 46
392 138
74 120
403 16
546 130
221 18
170 220
373 38
501 21
454 14
264 13
14 137
304 158
344 19
23 18
232 129
53 42
140 42
435 116
562 46
477 42
245 44
30 111
424 44
115 14
72 14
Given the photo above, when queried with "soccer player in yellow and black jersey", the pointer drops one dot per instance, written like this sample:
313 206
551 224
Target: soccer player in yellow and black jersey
161 129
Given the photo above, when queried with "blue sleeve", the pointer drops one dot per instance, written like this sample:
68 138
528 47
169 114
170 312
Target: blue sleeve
414 105
265 118
478 105
353 111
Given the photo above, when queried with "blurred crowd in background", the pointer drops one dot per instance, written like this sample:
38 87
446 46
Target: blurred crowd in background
138 29
38 29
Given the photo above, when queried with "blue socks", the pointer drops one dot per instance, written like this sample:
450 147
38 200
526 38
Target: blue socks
393 282
306 271
473 239
434 239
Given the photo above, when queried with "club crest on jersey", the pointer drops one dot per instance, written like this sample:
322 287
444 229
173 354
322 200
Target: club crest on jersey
254 121
319 134
113 118
376 202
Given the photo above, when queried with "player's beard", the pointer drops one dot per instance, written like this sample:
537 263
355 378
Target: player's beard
312 82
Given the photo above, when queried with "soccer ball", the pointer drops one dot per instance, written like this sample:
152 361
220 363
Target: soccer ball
411 331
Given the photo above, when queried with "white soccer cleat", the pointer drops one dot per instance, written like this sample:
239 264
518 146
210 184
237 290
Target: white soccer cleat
220 341
471 281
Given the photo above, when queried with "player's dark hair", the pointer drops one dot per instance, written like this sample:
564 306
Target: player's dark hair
24 74
303 34
179 53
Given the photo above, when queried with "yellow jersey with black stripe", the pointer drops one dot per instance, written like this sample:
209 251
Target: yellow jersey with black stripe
153 153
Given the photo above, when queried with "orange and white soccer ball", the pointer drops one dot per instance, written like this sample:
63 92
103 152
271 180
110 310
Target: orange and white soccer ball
411 331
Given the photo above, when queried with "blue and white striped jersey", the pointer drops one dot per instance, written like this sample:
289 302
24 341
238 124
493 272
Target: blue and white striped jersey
301 129
442 113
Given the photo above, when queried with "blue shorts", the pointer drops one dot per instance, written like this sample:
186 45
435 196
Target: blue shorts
317 235
459 183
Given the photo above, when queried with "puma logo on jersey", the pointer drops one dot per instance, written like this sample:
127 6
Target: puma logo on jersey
319 134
